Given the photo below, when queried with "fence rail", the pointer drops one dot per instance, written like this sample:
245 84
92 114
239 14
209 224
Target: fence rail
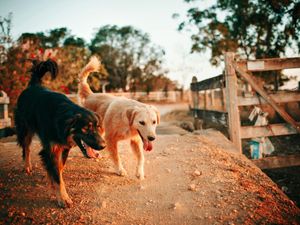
280 98
269 64
156 96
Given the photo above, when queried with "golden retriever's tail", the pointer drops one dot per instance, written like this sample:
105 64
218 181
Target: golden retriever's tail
84 89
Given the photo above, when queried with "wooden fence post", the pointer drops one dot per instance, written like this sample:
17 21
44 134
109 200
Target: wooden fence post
223 93
205 99
195 98
234 123
212 96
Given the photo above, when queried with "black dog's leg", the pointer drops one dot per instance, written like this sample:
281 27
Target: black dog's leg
24 138
65 155
24 142
61 155
26 151
54 159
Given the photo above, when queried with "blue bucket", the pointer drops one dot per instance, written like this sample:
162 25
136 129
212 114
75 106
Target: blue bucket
254 149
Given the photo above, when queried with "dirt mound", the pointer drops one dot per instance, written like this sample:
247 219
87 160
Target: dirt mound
189 180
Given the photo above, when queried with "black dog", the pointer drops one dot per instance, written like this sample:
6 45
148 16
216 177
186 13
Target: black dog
59 123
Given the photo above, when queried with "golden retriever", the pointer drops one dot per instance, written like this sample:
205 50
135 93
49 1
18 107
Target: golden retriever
121 118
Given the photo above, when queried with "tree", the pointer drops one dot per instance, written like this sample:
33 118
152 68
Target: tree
5 36
254 29
74 41
68 51
5 28
53 38
12 79
125 52
14 74
158 83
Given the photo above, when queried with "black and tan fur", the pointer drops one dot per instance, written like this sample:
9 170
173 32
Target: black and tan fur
59 123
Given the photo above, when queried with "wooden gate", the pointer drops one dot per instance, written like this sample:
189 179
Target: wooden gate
235 67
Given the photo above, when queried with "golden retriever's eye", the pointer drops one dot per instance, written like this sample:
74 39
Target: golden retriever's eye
142 123
154 122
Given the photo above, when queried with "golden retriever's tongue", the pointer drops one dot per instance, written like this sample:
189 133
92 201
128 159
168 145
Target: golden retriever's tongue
91 153
147 145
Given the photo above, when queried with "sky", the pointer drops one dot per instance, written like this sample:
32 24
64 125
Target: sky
84 18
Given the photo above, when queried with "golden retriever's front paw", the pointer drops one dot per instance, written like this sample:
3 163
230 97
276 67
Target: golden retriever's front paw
140 176
140 173
122 172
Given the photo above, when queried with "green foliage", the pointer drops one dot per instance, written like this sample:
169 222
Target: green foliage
254 29
74 41
53 38
157 83
126 53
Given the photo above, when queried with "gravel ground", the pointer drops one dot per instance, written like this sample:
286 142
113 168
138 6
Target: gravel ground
189 180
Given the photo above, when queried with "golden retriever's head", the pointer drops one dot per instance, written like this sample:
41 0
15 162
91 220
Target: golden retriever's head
144 120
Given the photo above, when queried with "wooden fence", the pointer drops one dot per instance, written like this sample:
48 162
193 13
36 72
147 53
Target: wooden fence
243 68
236 92
155 96
208 100
209 94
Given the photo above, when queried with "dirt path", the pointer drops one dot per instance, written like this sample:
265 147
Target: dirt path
190 179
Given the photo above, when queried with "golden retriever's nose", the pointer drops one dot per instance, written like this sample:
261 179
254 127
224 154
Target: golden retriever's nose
150 138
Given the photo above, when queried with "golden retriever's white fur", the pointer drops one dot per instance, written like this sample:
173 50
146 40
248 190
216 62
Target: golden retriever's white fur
121 118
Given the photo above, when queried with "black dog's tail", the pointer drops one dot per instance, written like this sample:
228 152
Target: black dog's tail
39 69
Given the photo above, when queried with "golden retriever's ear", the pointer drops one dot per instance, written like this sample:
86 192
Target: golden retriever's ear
98 117
131 113
157 113
158 116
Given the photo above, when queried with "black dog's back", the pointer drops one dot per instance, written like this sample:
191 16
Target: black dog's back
41 109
